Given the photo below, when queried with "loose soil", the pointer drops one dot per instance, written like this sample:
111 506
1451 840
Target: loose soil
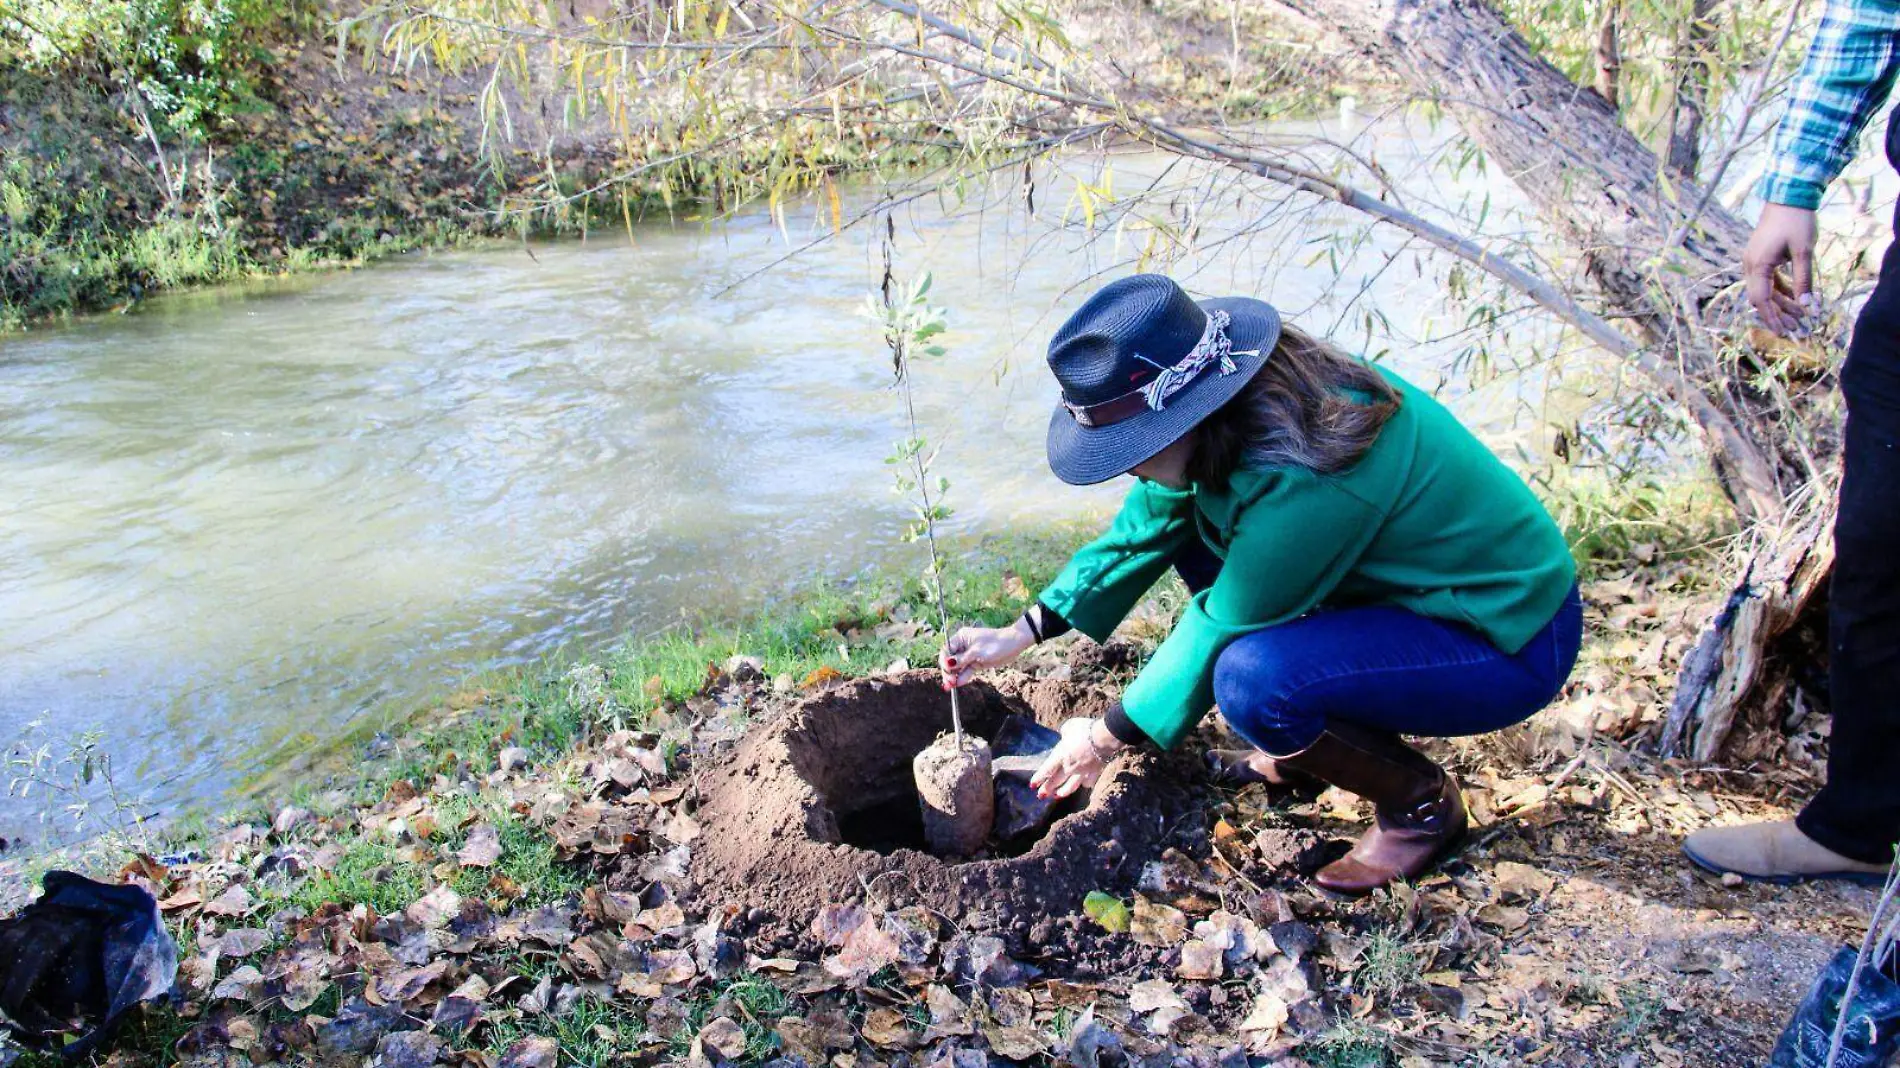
819 808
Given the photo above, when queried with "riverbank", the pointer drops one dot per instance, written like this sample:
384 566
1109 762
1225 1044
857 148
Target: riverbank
252 148
499 879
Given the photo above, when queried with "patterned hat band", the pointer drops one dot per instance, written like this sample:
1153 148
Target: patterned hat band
1214 349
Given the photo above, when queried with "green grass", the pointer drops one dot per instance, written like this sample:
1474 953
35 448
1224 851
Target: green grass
1350 1044
597 1032
368 873
1389 966
1642 1007
371 872
1614 523
752 1003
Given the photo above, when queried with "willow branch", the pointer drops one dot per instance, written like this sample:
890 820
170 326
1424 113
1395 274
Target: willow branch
1760 496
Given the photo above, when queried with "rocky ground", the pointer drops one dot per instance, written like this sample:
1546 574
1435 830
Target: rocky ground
493 909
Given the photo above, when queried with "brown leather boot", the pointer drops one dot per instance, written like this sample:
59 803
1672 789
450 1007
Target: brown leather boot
1420 812
1243 767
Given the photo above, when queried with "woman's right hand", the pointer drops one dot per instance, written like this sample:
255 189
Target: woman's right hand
973 649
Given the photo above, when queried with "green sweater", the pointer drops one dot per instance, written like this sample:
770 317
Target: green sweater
1427 519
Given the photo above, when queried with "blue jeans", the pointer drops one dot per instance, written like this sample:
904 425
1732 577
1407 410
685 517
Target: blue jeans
1383 667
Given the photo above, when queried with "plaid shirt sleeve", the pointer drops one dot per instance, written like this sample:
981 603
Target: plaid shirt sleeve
1849 69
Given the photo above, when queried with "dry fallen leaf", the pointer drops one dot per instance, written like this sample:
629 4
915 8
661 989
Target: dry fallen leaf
235 901
1152 994
1157 925
535 1052
670 966
1521 881
482 849
887 1028
242 941
948 1013
243 984
1015 587
866 950
1016 1043
1264 1020
407 984
435 908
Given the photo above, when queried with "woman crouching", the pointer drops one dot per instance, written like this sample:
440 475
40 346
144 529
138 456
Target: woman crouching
1362 567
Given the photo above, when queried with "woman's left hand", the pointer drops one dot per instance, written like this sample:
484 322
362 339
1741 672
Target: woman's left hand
1076 762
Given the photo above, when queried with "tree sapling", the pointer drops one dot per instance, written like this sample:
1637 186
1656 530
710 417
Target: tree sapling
953 773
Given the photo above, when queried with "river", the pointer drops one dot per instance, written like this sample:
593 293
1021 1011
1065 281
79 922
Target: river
238 521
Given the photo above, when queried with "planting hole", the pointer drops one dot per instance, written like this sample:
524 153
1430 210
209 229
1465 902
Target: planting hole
821 807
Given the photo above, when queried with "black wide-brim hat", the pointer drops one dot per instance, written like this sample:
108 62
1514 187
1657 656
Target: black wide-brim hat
1140 364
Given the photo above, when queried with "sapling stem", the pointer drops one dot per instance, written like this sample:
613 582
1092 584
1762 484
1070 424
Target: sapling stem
935 573
909 324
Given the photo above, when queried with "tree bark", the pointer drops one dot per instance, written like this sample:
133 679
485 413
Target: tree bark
1692 90
1729 669
1597 186
1609 54
1664 257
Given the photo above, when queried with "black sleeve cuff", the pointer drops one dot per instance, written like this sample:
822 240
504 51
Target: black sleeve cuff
1122 727
1048 623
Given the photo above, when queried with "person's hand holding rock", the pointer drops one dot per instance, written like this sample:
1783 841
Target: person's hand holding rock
973 649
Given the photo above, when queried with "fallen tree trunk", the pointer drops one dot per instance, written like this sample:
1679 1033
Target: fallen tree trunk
1730 670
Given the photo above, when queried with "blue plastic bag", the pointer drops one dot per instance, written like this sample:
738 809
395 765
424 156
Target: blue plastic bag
74 960
1873 1025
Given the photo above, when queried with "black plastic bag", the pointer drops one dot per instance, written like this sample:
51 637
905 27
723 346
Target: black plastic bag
1019 748
1873 1025
73 961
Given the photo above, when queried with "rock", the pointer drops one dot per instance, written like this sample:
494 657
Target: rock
289 819
1293 938
784 684
1200 960
511 759
959 800
745 668
720 1040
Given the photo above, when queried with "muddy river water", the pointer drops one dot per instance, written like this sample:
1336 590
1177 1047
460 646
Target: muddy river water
235 522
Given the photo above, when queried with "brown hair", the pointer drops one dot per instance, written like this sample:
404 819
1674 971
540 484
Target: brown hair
1311 405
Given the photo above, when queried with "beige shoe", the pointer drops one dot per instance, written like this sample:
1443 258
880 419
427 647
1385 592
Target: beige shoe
1775 852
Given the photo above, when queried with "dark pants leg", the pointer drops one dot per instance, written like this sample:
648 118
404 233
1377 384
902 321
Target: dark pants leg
1857 814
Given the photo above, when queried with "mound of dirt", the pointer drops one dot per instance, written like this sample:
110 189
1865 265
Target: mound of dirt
1088 660
816 809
